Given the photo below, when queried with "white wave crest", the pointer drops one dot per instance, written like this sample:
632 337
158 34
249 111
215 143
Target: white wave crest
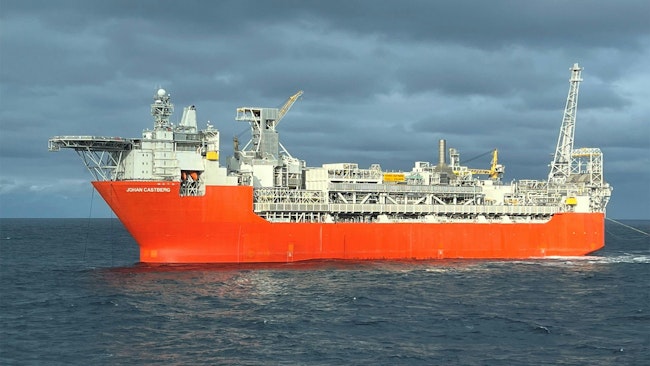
623 258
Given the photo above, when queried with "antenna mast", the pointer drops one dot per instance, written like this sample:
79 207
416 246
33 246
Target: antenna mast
560 166
161 109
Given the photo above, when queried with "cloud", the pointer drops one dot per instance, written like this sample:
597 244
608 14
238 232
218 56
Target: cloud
12 186
383 81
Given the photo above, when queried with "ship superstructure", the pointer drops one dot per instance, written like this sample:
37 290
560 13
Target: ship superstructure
266 205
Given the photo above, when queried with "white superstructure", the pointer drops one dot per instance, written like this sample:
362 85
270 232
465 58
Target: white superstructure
287 190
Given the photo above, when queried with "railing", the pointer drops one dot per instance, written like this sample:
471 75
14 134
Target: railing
339 208
402 188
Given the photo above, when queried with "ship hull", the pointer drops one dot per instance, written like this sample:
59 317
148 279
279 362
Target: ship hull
221 227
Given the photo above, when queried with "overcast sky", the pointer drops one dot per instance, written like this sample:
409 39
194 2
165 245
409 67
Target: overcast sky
383 81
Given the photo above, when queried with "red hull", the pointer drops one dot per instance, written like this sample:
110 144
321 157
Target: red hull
221 227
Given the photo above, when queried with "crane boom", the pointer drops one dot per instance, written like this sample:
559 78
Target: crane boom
496 169
285 108
561 164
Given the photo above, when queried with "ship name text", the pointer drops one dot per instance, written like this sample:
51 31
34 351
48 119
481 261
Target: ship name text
148 190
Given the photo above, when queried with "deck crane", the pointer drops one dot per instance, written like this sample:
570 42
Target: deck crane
281 113
264 143
561 164
496 170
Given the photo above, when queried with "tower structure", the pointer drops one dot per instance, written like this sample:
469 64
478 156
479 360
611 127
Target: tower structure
161 109
561 164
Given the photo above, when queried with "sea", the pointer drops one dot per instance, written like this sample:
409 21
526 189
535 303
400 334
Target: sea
73 293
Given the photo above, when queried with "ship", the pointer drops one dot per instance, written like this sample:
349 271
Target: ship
181 204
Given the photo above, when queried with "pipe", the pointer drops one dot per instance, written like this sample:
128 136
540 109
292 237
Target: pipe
442 146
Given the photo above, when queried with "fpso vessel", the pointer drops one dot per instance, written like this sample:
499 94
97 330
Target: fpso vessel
181 205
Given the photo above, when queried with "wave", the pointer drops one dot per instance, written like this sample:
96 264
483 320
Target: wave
552 261
622 258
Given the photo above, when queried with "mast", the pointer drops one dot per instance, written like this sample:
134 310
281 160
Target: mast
161 109
560 166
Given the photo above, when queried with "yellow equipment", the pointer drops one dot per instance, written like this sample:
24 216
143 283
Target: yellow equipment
496 170
285 108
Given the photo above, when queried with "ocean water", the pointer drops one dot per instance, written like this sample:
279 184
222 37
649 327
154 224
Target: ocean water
72 293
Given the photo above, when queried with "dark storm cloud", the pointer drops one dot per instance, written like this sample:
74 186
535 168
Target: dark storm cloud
383 81
473 23
494 24
141 39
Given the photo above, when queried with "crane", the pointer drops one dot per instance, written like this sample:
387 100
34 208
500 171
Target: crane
264 143
496 170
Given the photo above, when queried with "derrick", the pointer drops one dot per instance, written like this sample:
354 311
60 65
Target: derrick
561 164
